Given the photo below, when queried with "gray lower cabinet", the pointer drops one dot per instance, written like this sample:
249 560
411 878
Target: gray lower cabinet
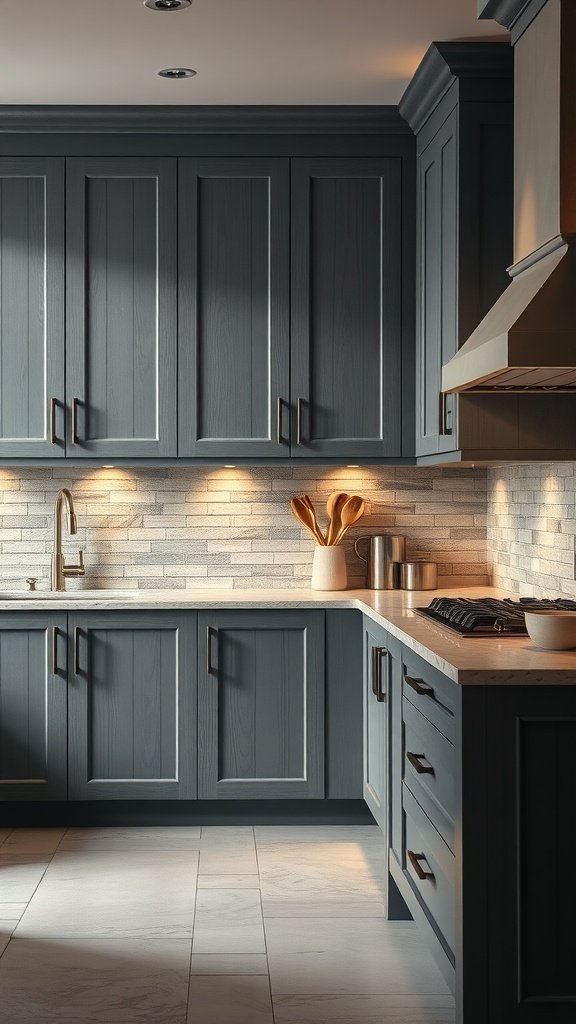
376 668
132 706
33 750
234 388
32 396
121 317
347 307
261 704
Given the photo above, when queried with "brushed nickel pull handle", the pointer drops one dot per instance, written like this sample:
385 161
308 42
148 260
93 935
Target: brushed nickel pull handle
299 421
416 762
279 438
75 403
415 859
211 634
419 686
53 437
55 632
76 651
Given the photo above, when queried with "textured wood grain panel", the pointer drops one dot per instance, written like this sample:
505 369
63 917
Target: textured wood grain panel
121 305
261 723
234 332
32 707
346 306
133 707
31 306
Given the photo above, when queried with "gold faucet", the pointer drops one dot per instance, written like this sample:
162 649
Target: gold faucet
59 569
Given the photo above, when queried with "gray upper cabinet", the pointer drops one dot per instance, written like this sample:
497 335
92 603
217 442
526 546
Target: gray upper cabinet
233 308
33 749
31 308
132 706
121 307
347 307
261 704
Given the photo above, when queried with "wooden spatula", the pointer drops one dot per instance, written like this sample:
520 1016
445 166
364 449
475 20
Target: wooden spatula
333 508
308 519
352 511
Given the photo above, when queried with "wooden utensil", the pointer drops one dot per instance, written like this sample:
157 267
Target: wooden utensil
333 508
308 502
352 511
307 518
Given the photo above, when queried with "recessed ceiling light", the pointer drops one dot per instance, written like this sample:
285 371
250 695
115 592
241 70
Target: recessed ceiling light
177 73
167 5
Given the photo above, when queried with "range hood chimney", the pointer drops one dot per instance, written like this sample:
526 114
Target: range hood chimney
527 341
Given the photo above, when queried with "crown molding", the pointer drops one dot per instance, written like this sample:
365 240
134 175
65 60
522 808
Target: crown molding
445 63
515 15
204 120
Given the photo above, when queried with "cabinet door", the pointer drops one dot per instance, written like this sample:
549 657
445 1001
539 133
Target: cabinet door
132 701
31 308
261 705
121 307
437 287
233 308
32 706
346 307
376 667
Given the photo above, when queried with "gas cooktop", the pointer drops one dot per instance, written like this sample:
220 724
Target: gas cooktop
489 616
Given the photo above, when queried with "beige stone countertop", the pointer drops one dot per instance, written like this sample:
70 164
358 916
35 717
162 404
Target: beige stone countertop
466 661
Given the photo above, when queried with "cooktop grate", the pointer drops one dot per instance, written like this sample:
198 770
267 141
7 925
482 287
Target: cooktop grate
489 616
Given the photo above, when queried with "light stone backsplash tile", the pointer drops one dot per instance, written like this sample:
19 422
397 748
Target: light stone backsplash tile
189 527
532 528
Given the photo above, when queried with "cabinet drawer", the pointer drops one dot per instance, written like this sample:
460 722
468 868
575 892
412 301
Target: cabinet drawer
429 770
429 867
432 693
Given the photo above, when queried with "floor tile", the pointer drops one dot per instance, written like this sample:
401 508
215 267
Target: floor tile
131 838
132 893
349 955
224 860
228 835
124 981
229 1000
228 921
318 834
364 1009
20 875
229 963
33 840
4 833
228 881
325 905
12 911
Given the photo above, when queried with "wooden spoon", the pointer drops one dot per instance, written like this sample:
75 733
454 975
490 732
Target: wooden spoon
352 511
333 508
308 502
308 519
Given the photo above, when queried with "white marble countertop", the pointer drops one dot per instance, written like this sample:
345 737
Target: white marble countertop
466 661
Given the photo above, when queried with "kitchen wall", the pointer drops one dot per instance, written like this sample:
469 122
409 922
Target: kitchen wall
232 528
532 528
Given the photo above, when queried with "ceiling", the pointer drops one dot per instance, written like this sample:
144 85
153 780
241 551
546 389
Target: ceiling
245 51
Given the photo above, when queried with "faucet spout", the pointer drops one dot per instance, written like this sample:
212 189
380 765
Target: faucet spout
59 569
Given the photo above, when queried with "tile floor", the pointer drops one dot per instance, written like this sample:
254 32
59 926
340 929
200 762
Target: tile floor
231 925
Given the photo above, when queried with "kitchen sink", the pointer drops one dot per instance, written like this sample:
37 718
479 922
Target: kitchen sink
70 595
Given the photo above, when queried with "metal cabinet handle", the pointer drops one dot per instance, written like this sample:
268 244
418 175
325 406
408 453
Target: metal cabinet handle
416 762
279 438
76 651
415 859
55 632
299 421
419 686
443 429
378 653
211 634
53 406
75 403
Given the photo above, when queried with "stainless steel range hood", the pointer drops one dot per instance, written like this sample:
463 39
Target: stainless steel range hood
527 342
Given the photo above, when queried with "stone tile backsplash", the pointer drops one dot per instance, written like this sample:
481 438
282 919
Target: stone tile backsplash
189 527
532 528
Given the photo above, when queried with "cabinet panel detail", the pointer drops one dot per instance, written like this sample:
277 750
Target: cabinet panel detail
234 250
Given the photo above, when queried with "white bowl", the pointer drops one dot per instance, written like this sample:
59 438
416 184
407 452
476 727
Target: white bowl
554 631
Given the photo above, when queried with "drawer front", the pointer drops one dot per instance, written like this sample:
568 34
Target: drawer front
429 770
429 867
432 693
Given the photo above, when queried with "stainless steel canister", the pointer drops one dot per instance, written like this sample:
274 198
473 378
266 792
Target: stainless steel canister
418 575
383 555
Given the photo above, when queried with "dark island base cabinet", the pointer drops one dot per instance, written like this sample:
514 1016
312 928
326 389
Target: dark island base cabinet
132 706
261 705
32 706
